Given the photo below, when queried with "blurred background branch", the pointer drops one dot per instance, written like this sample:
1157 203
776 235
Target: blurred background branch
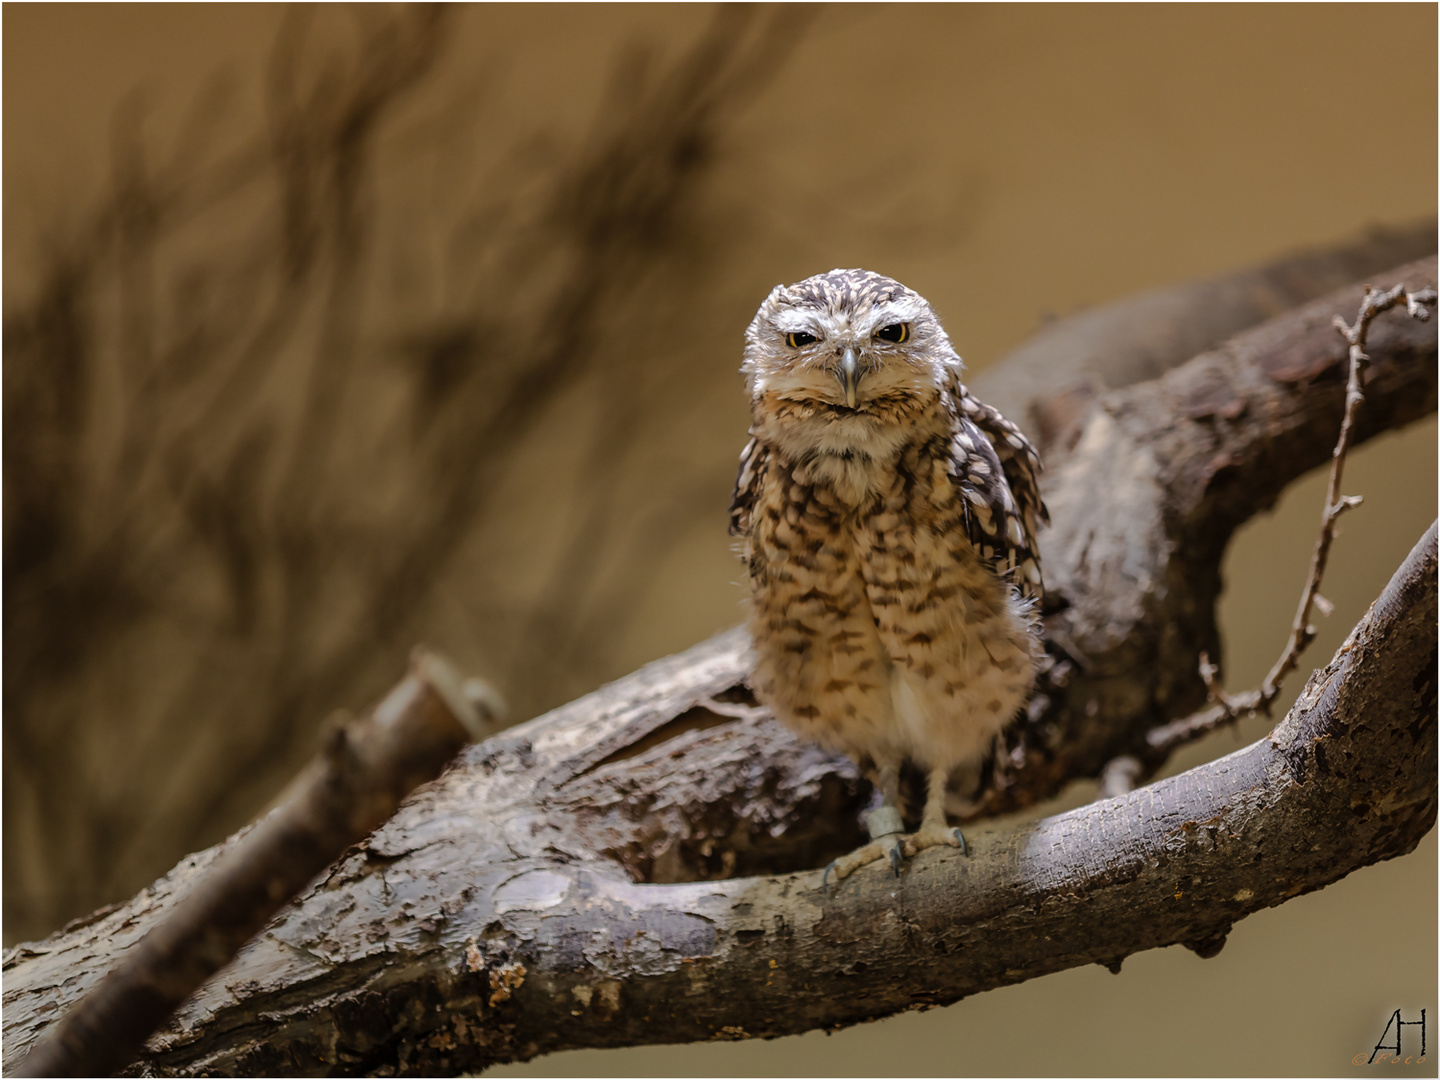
245 479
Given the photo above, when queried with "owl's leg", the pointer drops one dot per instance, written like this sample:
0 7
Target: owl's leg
885 825
934 829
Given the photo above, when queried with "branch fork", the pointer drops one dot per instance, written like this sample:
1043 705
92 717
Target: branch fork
1228 708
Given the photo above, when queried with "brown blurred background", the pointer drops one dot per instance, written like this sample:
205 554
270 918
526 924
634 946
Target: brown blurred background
330 330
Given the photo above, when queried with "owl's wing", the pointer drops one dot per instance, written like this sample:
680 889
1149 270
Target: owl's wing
747 486
997 472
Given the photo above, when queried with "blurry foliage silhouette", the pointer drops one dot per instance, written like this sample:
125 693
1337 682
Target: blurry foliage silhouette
282 406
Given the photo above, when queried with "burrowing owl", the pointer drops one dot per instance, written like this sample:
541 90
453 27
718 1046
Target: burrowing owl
889 522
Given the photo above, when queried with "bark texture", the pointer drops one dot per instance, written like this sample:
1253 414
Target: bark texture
642 864
365 767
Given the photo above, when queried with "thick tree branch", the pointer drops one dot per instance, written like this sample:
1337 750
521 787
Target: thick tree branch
505 912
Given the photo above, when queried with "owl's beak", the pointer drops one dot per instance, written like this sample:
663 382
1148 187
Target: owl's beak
849 377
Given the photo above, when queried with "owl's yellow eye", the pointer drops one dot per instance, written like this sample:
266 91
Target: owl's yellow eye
796 338
896 333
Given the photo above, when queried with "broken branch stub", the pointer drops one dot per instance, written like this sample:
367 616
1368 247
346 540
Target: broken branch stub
364 768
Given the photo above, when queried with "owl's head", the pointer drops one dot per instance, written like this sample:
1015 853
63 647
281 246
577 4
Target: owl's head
843 363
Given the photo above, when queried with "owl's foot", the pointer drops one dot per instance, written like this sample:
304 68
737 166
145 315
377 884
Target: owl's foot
935 834
886 839
894 844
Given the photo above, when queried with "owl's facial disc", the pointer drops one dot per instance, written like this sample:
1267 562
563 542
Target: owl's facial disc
839 361
848 364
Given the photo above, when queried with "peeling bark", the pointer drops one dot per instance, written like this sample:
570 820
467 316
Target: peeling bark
573 882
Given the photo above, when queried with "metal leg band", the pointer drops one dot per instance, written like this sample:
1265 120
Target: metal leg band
883 821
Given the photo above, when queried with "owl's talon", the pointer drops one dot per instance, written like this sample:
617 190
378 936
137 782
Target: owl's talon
896 855
964 847
825 877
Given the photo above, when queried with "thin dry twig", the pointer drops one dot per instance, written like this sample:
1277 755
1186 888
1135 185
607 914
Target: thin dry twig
361 772
1301 632
1213 690
1228 708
